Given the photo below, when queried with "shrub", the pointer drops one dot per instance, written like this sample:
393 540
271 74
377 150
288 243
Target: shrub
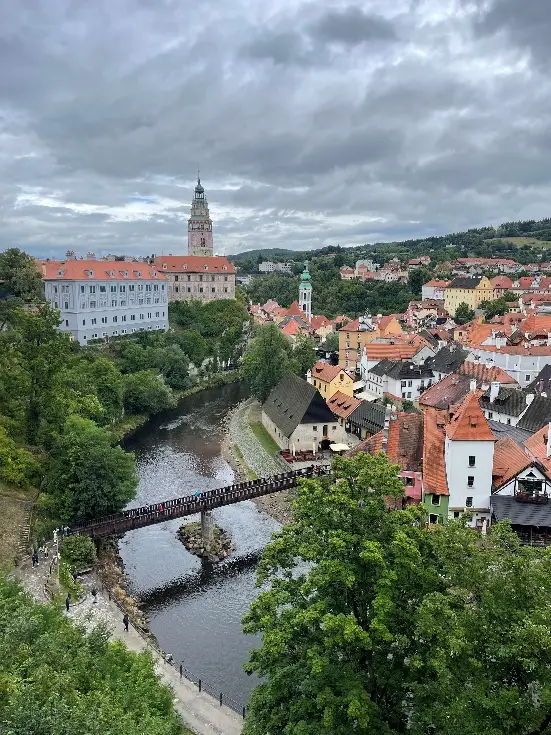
78 551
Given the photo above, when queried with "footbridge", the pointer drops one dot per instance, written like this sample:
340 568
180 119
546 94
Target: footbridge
198 502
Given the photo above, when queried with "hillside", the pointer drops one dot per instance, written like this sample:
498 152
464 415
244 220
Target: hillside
524 241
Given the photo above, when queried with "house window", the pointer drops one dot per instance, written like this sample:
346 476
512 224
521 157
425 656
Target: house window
314 428
84 322
409 394
66 322
435 500
470 481
527 378
472 460
93 321
334 428
175 278
403 383
456 514
114 320
213 290
509 421
104 320
201 290
132 317
410 383
433 518
490 414
469 502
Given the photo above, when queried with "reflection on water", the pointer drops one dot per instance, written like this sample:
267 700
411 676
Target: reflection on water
195 609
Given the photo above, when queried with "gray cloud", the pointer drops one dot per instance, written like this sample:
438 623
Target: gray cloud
312 125
527 24
352 26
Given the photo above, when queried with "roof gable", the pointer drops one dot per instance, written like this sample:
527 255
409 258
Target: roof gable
294 401
469 423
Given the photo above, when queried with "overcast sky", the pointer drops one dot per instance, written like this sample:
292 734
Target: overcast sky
313 123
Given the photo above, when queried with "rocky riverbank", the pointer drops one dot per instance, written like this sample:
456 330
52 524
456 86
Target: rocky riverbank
248 458
218 549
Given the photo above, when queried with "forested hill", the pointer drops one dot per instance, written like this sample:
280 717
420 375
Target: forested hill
528 236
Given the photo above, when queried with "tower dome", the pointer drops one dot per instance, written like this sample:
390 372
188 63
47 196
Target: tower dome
305 276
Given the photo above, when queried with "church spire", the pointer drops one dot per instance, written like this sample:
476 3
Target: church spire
200 224
305 292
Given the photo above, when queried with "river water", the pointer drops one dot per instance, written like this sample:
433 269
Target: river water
194 608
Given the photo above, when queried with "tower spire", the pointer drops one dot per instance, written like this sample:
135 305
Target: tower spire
200 223
305 292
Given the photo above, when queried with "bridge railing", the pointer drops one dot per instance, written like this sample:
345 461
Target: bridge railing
192 503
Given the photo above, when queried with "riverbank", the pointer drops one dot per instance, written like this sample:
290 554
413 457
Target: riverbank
201 713
128 425
249 457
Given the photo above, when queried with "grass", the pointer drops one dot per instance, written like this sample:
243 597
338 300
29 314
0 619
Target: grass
520 241
239 454
13 513
264 438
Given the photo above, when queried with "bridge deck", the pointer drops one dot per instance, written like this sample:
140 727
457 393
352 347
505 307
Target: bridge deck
120 523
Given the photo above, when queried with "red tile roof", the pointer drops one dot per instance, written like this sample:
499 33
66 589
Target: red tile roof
193 264
435 283
537 446
405 441
451 389
292 328
485 374
509 460
469 423
342 405
501 282
295 310
434 465
318 321
326 372
98 270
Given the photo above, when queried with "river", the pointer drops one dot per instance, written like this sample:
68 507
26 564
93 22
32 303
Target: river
194 608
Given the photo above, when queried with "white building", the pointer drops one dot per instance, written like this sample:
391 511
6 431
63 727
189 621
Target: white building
403 379
268 266
469 460
101 298
296 416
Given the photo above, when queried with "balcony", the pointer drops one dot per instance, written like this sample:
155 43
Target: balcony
535 498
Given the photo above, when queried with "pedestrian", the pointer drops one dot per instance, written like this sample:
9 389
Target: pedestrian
125 620
55 535
95 594
68 601
46 552
161 508
74 575
35 559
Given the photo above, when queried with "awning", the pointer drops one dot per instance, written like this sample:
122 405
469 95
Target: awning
339 447
358 385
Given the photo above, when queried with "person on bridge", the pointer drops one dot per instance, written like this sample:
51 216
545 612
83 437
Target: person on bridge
161 507
197 494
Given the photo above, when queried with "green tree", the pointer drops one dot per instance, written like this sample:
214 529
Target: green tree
304 354
193 344
417 278
331 344
88 477
463 313
17 465
79 552
146 392
266 360
372 623
56 679
20 275
498 307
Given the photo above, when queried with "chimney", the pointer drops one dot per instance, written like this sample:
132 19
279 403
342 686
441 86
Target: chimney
529 398
388 409
494 390
548 452
90 256
472 385
70 255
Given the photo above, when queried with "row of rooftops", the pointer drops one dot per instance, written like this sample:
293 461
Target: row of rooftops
74 269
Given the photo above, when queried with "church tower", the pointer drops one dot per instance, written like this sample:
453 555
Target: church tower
305 293
199 228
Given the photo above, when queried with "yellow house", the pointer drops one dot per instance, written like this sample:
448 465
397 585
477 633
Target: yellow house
354 336
329 379
467 290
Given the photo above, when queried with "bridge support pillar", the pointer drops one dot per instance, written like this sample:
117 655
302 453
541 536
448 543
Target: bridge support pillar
207 528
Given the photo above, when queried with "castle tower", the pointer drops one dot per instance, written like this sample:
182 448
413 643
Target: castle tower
305 293
199 228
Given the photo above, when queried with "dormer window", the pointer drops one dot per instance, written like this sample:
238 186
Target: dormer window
224 267
112 274
90 274
185 266
60 273
138 274
164 266
124 274
154 274
205 267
